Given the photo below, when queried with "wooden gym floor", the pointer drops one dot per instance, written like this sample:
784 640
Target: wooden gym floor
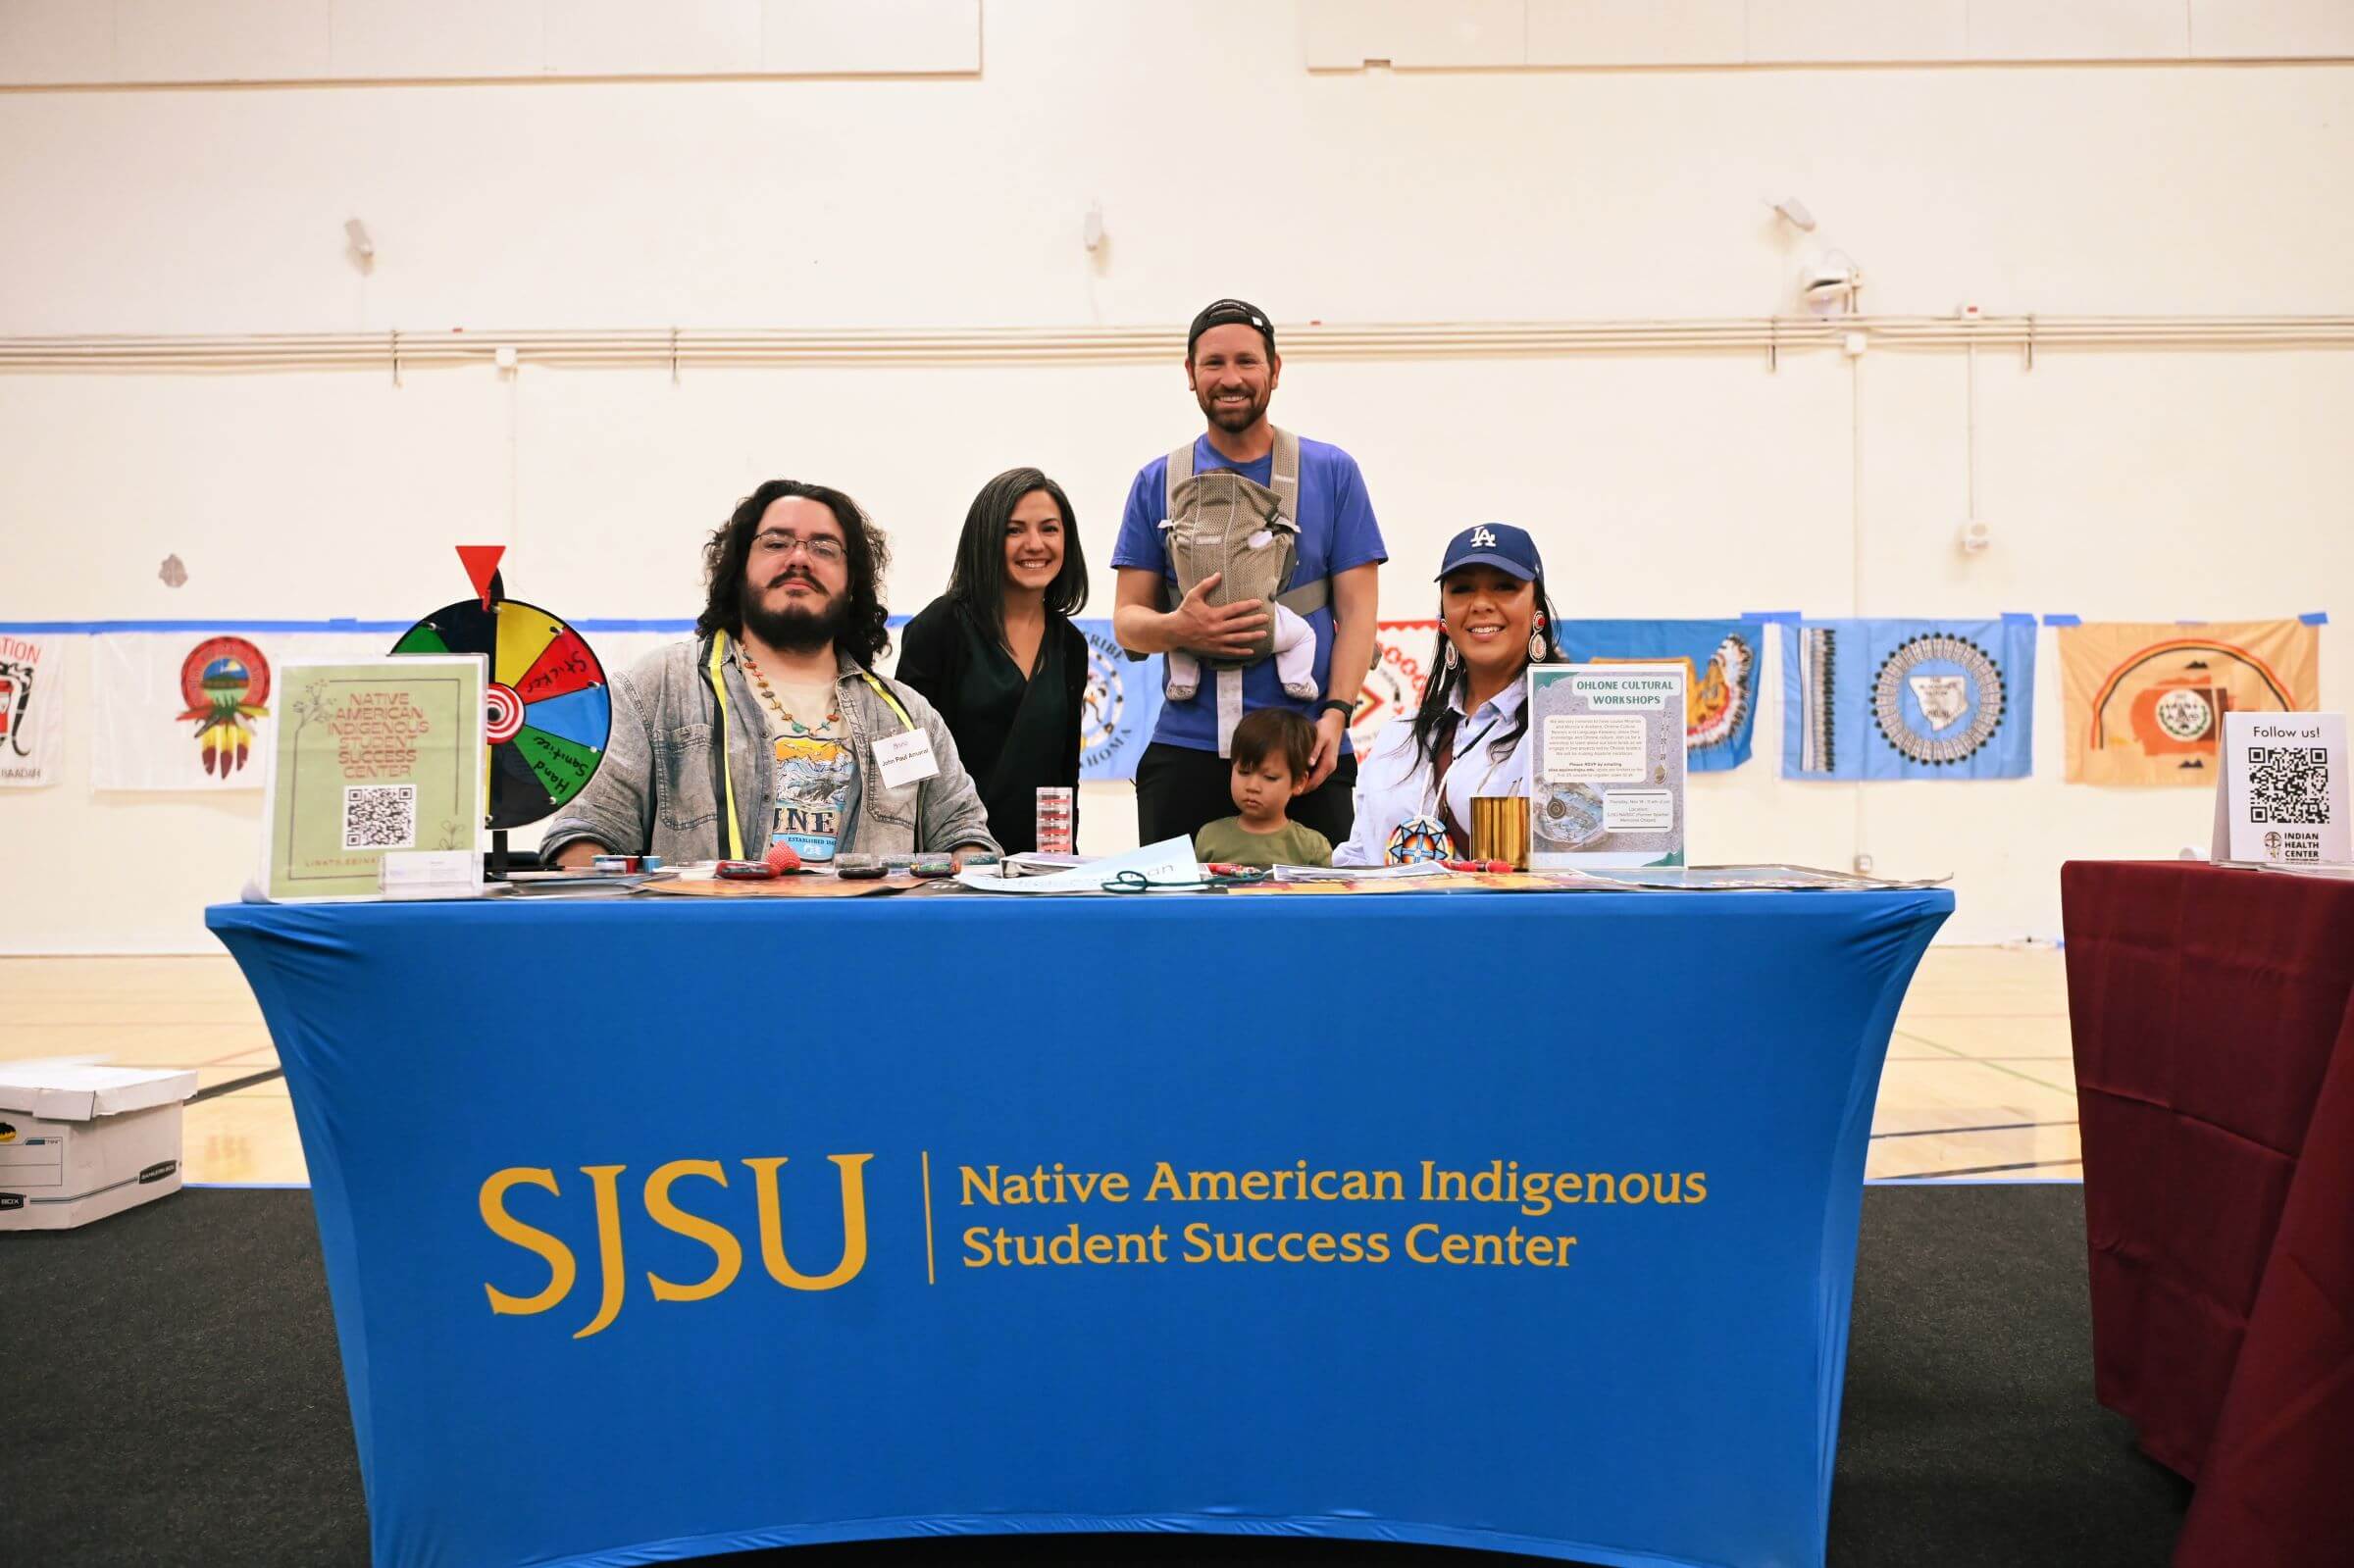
1979 1084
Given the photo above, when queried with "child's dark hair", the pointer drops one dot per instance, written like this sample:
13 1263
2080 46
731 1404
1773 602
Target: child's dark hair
1274 730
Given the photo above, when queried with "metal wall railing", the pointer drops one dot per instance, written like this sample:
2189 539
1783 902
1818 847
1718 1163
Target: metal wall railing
679 348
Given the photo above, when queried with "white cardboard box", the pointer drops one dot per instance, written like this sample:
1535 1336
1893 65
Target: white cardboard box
79 1142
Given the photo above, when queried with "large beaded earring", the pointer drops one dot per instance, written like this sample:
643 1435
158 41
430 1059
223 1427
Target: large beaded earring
1536 641
1450 659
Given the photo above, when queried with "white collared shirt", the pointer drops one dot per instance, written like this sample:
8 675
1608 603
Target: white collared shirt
1393 783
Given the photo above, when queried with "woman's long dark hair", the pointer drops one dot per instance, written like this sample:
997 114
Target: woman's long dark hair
1435 720
864 633
978 579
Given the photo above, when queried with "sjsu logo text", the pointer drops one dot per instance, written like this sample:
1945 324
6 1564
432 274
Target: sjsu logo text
726 1252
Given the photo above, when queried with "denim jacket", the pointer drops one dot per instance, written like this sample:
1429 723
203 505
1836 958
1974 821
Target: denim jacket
659 790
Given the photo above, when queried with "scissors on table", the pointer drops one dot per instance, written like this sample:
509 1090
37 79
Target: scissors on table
1221 875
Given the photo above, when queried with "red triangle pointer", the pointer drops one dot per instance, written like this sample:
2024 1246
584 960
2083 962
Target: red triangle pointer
481 561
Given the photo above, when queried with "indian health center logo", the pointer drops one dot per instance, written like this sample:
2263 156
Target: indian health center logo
225 681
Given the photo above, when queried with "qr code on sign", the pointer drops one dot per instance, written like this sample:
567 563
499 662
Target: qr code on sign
380 816
2288 785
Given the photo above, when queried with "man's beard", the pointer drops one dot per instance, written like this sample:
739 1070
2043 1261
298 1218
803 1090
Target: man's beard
796 630
1233 420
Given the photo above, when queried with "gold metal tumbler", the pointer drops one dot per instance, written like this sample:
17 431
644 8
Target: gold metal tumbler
1499 828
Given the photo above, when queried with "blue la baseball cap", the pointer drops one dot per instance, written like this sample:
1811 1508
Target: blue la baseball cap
1508 549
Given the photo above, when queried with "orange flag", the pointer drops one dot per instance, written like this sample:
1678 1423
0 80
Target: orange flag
2146 702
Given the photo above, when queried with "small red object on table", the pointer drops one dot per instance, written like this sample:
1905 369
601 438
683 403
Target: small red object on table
782 857
2213 1011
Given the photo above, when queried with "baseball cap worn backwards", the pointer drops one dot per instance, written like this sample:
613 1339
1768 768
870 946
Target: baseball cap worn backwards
1226 313
1508 549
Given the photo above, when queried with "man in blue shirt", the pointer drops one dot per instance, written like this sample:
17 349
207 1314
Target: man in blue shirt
1182 783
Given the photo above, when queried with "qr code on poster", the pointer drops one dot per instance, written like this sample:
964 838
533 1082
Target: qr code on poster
2288 785
380 816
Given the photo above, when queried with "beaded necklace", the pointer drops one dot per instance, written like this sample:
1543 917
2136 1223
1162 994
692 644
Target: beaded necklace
760 683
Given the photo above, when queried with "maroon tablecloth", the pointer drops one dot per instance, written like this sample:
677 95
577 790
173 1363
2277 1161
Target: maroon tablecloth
2214 1019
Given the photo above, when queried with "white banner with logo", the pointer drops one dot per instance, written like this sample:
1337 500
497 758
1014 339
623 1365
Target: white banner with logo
191 710
32 710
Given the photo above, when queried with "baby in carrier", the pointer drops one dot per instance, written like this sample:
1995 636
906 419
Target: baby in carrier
1295 661
1247 533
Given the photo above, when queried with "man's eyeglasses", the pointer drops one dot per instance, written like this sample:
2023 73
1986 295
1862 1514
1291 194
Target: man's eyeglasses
821 548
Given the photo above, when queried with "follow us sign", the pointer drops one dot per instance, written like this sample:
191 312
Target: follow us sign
2281 798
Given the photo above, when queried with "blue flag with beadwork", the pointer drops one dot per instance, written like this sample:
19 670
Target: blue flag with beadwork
1122 705
1720 660
1909 699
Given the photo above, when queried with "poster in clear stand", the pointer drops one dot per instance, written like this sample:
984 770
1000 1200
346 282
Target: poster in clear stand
371 757
1606 766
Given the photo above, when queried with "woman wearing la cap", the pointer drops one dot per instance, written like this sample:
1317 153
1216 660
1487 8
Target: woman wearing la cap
998 656
1469 736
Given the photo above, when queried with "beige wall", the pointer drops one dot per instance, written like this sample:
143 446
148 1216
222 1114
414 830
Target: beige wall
2156 484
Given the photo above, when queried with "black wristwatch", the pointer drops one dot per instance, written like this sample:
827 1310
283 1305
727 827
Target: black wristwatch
1345 709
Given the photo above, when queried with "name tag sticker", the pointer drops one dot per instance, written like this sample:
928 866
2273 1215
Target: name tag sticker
906 758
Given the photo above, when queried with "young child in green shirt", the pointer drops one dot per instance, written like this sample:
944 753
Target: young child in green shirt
1271 750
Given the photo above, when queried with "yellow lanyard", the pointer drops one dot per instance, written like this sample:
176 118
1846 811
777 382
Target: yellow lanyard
727 767
719 692
890 701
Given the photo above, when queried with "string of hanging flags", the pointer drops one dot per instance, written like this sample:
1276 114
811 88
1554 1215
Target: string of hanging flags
186 705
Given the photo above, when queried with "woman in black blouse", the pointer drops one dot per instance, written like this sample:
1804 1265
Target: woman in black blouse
998 654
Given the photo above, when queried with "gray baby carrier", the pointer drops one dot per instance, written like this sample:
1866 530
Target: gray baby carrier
1221 521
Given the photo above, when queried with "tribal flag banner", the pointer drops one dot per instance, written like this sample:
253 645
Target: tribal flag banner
33 709
1123 704
2145 700
1720 660
1909 699
192 709
1402 654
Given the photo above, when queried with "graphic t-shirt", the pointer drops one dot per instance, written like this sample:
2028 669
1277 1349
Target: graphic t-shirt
1228 841
1337 531
814 768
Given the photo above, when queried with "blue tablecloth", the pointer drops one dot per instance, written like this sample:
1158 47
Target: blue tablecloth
564 1153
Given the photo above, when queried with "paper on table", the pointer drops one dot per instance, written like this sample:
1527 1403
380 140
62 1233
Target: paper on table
1034 863
1405 873
1171 860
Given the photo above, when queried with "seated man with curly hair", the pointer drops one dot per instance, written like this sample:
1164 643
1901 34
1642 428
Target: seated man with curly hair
771 725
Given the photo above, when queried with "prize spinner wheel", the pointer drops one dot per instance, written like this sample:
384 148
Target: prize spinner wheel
549 713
